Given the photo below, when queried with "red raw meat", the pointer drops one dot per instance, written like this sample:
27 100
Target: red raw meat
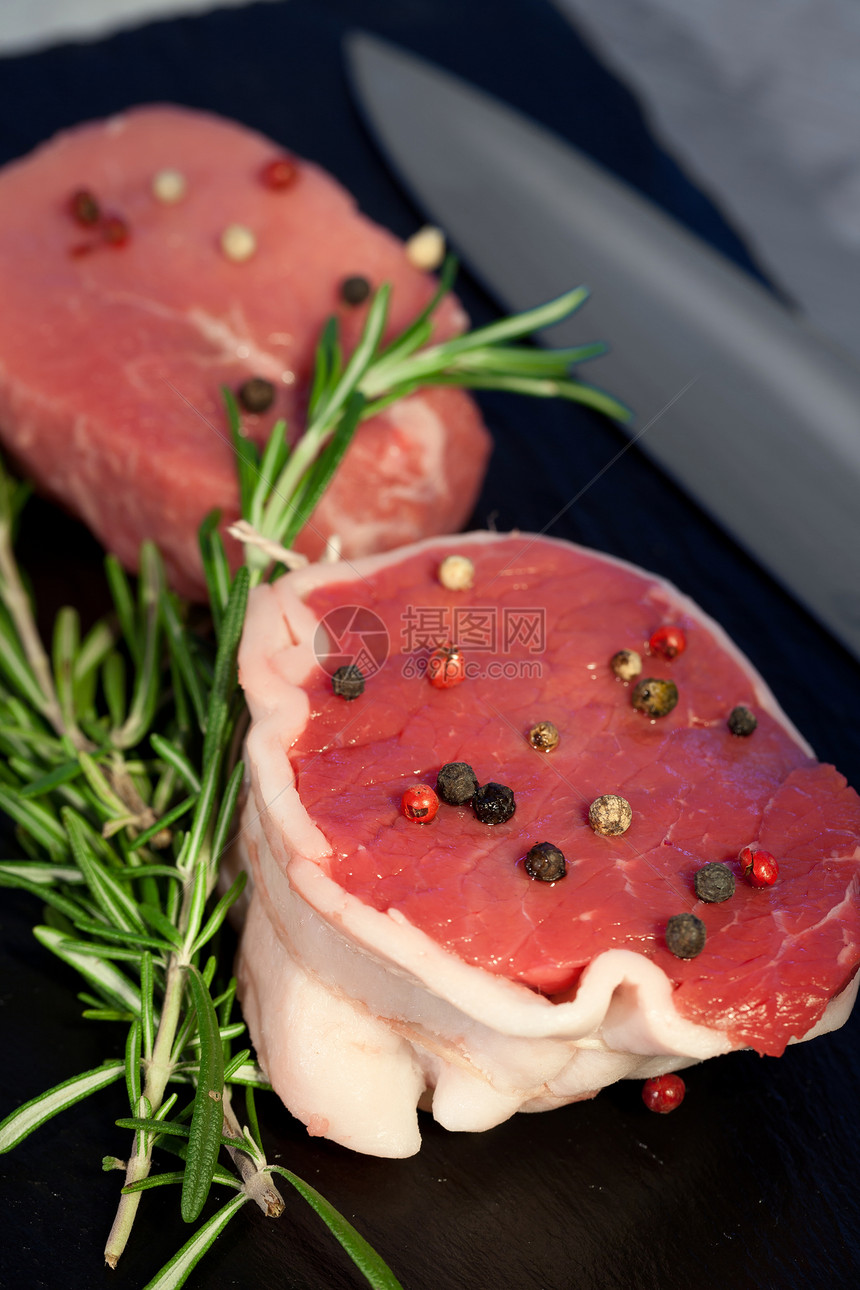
111 356
448 906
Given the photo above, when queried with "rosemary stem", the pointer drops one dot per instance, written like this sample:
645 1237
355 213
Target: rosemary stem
157 1075
258 1186
160 1067
386 373
299 460
123 785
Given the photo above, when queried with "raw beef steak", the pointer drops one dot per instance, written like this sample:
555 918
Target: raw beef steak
113 349
386 963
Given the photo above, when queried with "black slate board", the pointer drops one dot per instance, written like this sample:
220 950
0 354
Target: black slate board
751 1183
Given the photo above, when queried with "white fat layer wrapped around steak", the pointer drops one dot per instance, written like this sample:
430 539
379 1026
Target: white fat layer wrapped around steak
356 1015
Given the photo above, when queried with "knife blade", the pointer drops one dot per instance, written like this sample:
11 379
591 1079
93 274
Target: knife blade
736 397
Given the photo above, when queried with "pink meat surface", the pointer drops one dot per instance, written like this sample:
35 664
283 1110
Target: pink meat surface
494 991
112 357
698 793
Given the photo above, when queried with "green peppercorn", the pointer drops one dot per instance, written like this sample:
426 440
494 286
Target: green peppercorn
546 862
456 783
84 207
741 721
256 394
714 883
354 290
494 803
348 682
654 696
685 935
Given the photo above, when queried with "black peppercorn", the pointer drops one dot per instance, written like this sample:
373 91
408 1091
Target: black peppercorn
714 883
654 696
493 803
355 290
685 935
456 783
348 682
256 394
741 721
546 862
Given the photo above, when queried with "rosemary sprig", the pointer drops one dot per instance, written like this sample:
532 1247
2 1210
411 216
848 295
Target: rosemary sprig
280 489
133 921
122 775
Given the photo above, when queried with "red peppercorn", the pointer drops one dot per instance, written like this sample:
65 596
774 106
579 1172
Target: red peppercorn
280 173
759 867
446 667
419 803
114 230
663 1093
668 642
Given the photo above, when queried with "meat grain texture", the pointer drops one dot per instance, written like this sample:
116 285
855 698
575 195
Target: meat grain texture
112 355
386 966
